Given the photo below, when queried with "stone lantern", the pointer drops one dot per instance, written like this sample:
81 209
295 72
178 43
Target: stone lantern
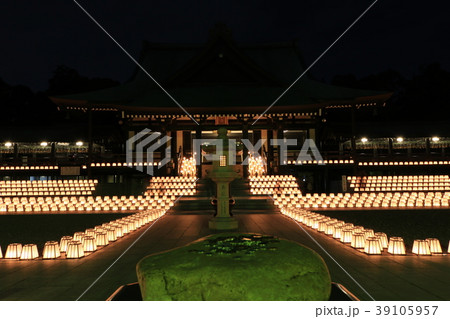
223 174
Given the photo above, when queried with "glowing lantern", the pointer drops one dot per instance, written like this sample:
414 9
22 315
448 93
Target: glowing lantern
346 236
330 228
421 247
119 231
369 233
74 250
111 234
51 250
358 229
372 246
29 252
90 232
89 244
132 225
435 245
396 246
322 226
383 239
13 251
63 243
358 241
78 236
338 232
124 226
101 239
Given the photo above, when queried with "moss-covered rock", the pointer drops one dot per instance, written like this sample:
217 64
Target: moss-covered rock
235 267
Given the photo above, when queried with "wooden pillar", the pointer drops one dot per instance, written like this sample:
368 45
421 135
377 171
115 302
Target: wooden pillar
269 152
198 135
169 166
280 136
162 150
312 134
264 138
173 152
275 155
180 142
245 149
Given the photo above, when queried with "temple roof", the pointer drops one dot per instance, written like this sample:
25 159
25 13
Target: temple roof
220 76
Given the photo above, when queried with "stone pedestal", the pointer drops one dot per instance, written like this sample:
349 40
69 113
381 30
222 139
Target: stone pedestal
223 220
222 174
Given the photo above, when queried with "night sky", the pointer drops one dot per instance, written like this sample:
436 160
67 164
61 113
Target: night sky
39 35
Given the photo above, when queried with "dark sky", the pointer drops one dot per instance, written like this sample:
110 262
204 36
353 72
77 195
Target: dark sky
39 35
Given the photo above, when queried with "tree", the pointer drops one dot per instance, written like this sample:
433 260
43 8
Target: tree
66 80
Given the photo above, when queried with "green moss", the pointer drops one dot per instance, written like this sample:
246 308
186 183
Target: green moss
235 267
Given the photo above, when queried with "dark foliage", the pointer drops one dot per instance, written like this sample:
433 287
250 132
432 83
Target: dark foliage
66 80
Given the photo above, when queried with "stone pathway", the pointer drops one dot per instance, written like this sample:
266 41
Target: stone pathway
383 277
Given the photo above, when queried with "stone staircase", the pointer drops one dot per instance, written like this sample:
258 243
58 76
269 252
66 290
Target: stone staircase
246 203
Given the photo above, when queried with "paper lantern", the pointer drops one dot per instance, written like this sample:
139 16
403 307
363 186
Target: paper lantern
29 252
1 253
383 239
369 233
435 245
338 232
89 244
322 226
100 228
63 243
125 229
74 250
330 229
346 236
372 246
111 234
78 236
101 239
131 225
358 229
358 241
396 246
90 232
119 231
421 247
51 250
13 251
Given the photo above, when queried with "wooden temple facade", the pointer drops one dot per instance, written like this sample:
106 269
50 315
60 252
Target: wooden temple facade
222 83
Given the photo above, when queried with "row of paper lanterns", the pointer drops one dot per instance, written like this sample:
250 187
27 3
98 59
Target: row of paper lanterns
82 243
401 163
398 178
270 178
362 239
374 200
317 162
174 179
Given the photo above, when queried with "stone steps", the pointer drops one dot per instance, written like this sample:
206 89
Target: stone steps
240 191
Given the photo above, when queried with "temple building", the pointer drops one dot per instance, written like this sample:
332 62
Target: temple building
223 83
